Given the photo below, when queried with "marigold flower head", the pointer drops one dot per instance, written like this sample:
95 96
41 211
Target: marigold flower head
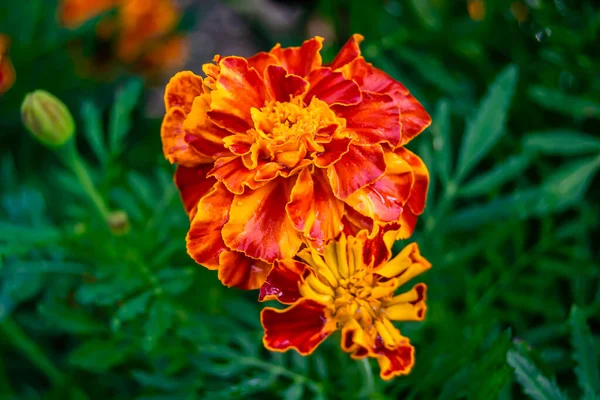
142 30
279 151
349 287
7 71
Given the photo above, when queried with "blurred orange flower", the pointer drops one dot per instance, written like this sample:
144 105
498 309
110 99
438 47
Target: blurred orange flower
279 151
142 30
7 71
350 287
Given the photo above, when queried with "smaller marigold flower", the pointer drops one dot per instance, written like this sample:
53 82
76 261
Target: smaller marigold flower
349 287
140 34
47 118
7 71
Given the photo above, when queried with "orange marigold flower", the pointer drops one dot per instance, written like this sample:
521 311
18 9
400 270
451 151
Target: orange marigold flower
350 287
278 150
142 30
7 71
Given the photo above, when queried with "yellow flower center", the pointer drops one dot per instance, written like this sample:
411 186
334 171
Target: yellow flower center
293 122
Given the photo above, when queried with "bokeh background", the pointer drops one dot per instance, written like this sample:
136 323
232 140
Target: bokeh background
90 311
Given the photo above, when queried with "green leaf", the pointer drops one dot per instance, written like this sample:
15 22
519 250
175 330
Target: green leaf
496 177
176 280
107 293
98 355
120 122
93 131
561 142
442 147
562 190
69 319
432 70
534 384
158 323
556 100
294 392
487 125
585 355
131 309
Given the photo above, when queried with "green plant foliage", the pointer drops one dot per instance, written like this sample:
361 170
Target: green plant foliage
89 310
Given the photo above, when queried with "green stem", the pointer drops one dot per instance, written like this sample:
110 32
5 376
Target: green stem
20 340
367 373
70 156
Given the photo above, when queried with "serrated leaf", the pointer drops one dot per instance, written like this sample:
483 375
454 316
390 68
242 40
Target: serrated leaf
93 130
294 392
562 190
107 293
534 384
487 125
585 355
131 309
496 177
159 321
561 142
440 131
555 100
120 121
98 355
69 320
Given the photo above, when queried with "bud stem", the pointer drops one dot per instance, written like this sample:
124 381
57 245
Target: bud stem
70 157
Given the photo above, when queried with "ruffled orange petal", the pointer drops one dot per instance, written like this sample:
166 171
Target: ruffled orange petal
300 60
418 194
332 88
303 326
259 225
282 86
239 88
282 282
384 199
333 151
204 242
371 79
376 119
413 116
234 174
201 134
408 222
348 52
394 362
313 208
182 89
193 185
176 148
240 271
359 167
261 61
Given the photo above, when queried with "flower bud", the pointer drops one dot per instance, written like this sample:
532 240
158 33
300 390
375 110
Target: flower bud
47 118
118 222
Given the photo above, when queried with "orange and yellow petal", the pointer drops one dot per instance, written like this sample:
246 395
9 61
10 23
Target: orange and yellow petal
413 117
371 79
359 167
396 361
240 271
261 61
234 174
405 266
418 194
193 184
201 134
313 208
182 89
409 306
383 200
282 86
376 119
259 225
282 282
349 52
239 88
300 60
332 88
176 148
302 327
204 242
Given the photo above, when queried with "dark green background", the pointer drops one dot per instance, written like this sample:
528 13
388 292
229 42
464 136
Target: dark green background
511 225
